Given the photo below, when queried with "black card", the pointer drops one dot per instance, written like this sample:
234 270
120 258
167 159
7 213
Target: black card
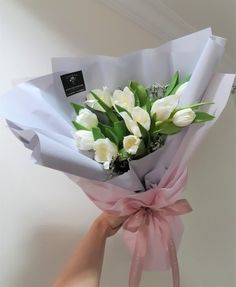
73 83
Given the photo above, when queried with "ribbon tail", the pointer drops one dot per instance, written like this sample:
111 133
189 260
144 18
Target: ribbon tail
136 270
137 263
174 263
169 243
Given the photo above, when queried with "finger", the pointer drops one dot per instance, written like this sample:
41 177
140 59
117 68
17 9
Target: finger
117 221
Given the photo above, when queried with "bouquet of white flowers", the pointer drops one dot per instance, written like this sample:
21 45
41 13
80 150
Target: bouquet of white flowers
127 146
131 123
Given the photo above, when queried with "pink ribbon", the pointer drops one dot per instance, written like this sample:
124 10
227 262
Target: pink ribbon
139 223
153 220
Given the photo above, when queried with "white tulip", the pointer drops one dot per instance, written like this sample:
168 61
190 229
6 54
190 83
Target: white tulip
181 89
84 139
164 107
184 117
131 144
87 119
124 99
105 151
104 95
142 117
131 125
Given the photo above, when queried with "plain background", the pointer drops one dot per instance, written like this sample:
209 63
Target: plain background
43 215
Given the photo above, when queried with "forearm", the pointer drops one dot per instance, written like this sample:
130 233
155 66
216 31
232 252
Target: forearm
84 269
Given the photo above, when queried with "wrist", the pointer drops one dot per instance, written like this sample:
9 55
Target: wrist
102 225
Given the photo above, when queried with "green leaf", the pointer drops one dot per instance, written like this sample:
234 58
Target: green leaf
187 79
158 123
110 133
102 127
145 134
121 109
194 106
173 83
140 92
148 105
120 130
97 134
102 117
202 117
132 86
153 121
77 107
181 83
123 155
168 128
115 133
136 98
110 113
141 150
79 126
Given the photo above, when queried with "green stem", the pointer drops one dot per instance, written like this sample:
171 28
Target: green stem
194 106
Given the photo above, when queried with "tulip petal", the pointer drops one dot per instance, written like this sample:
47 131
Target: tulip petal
104 95
105 151
131 124
131 144
163 108
87 118
84 139
124 99
184 117
142 117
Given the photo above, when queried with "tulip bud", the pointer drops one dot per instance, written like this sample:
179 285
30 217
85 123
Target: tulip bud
124 99
131 144
87 119
131 125
105 151
104 95
184 117
84 139
164 107
142 117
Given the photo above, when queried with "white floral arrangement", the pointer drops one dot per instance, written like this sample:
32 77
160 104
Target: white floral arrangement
128 149
131 123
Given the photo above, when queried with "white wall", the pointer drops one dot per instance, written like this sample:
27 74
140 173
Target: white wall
43 215
220 15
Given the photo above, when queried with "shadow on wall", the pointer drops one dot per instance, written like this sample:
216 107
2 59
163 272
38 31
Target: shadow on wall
89 26
51 246
49 249
69 21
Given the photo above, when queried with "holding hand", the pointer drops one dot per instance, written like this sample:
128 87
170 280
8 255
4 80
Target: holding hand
85 266
111 223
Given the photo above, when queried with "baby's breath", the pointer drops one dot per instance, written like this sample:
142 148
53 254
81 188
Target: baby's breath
157 91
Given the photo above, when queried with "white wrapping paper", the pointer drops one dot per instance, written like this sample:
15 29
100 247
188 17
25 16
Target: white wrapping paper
39 114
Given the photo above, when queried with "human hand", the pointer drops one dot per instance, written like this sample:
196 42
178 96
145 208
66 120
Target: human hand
111 223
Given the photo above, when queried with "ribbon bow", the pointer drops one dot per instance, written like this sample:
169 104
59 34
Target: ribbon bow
139 222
